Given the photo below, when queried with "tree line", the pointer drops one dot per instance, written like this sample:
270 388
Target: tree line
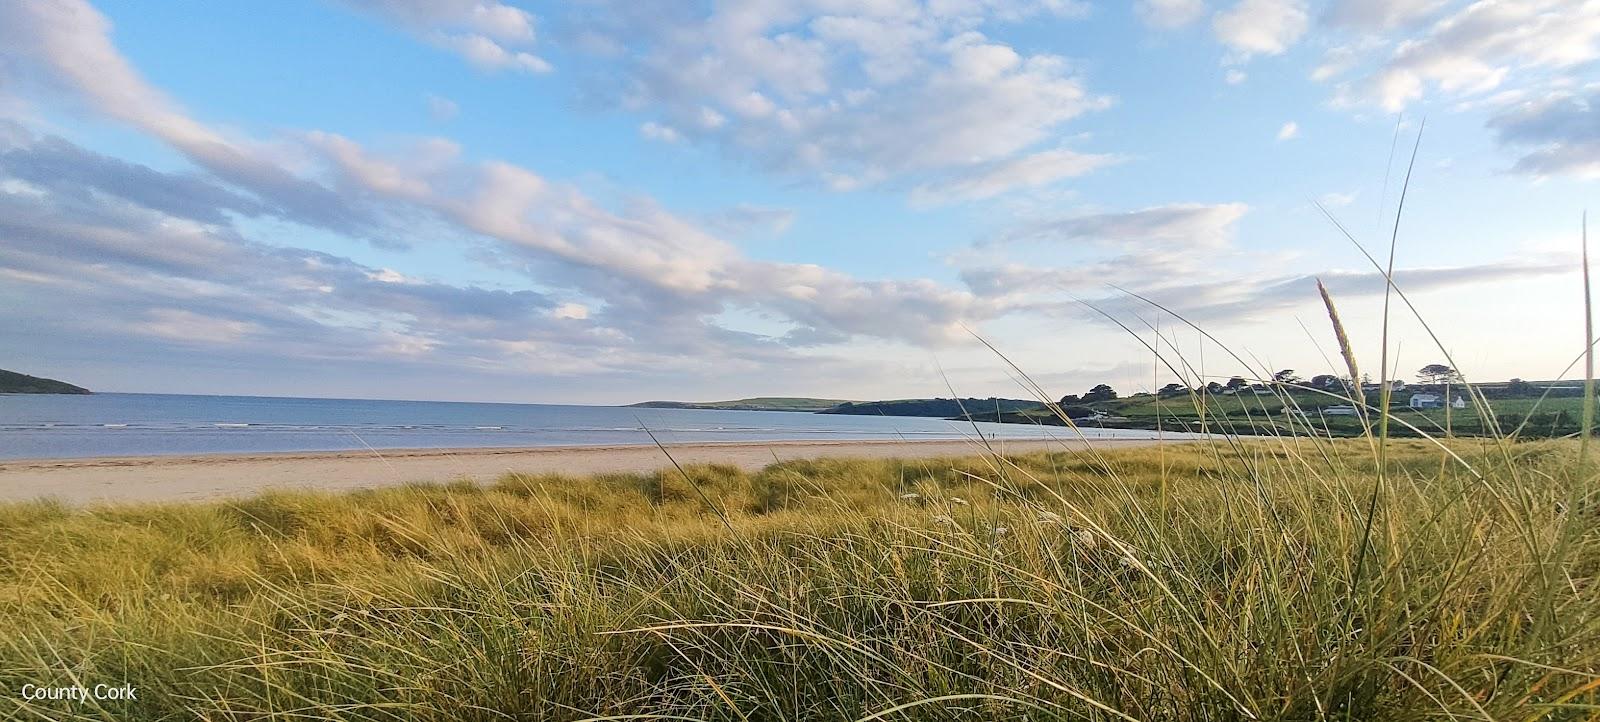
1431 376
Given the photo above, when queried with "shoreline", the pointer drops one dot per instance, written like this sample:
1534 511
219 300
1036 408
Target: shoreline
216 476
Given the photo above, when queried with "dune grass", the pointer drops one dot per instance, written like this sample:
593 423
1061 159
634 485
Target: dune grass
1203 581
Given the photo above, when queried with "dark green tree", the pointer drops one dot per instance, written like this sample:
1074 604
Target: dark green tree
1437 374
1101 392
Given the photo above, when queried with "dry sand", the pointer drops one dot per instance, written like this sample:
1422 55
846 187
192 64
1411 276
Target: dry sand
181 478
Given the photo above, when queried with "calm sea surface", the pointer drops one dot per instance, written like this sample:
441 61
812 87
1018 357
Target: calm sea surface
60 426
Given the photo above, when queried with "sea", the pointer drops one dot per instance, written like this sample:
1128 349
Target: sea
50 426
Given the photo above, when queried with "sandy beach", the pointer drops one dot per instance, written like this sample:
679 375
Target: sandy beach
184 478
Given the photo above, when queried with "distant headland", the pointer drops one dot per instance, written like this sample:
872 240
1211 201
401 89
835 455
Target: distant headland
12 382
763 403
938 408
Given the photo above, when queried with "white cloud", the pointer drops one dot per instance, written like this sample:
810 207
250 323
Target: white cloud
488 17
190 327
1379 14
1261 27
571 311
846 95
1168 14
1038 169
1234 76
1335 62
442 109
488 54
1561 132
1185 226
1338 200
656 131
66 43
1289 130
489 34
1525 63
1221 296
1476 49
744 219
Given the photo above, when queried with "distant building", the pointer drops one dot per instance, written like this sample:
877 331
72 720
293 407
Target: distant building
1426 401
1338 411
1435 401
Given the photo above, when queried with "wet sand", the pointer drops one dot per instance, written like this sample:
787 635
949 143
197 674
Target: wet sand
186 478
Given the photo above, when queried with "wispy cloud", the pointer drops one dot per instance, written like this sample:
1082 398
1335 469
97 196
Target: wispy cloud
993 179
1261 27
1379 14
1338 200
1560 133
1169 14
1189 226
442 109
846 97
490 35
1477 48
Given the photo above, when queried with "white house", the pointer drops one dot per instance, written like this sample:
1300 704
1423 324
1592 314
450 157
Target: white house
1338 411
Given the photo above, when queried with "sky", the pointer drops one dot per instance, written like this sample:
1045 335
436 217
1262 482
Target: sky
606 201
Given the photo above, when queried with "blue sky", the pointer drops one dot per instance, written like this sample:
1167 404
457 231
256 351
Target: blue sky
606 201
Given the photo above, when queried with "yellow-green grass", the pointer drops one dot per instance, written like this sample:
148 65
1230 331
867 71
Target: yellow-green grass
1209 581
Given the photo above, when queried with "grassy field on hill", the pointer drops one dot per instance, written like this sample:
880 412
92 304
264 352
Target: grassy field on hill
937 408
12 382
1264 415
1292 578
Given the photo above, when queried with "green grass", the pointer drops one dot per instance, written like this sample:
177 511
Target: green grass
1207 581
1263 415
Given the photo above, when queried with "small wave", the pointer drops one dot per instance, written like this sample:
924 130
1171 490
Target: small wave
115 426
230 426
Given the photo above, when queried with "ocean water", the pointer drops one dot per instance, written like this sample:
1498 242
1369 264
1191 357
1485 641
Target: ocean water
60 426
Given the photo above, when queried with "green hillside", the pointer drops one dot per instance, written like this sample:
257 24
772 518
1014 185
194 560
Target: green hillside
760 403
1253 414
12 382
941 408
